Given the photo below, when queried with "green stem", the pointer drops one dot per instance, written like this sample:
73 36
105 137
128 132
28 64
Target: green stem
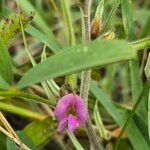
19 94
141 44
67 16
75 141
145 90
21 111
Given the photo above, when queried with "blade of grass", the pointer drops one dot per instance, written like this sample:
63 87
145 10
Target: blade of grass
145 90
99 123
3 84
134 135
149 114
42 38
136 83
5 63
77 145
65 4
1 8
147 68
19 94
110 16
21 111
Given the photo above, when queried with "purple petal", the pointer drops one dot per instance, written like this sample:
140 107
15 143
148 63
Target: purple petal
62 124
72 123
63 104
81 109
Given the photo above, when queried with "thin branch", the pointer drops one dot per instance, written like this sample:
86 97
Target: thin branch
8 126
18 142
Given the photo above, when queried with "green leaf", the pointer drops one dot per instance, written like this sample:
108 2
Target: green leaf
96 53
134 135
38 20
75 142
130 115
24 138
3 141
42 38
5 64
136 83
10 27
147 68
40 131
66 6
3 83
99 123
111 14
99 11
149 114
1 8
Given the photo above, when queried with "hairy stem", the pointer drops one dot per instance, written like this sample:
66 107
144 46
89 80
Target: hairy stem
85 80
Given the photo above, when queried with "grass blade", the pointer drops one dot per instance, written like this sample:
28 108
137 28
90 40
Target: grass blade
112 12
145 90
5 63
134 135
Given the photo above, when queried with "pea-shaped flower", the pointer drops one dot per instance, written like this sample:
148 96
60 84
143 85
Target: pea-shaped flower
70 110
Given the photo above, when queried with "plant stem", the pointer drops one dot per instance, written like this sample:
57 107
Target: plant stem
11 133
8 126
85 80
141 43
21 111
16 93
17 141
75 141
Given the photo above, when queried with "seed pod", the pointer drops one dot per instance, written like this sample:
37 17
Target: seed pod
95 29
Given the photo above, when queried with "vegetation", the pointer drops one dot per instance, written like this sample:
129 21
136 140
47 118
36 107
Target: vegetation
96 49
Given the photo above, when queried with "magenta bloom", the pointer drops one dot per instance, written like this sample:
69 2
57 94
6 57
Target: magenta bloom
70 110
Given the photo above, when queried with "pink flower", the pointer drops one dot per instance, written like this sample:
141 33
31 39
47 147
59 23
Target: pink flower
70 110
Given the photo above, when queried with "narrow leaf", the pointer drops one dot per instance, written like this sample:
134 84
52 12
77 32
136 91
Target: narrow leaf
147 68
134 135
5 64
149 114
3 83
136 83
110 16
75 142
99 123
96 53
42 38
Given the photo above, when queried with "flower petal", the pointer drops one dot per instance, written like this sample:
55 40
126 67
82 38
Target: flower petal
81 109
72 123
62 106
62 124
